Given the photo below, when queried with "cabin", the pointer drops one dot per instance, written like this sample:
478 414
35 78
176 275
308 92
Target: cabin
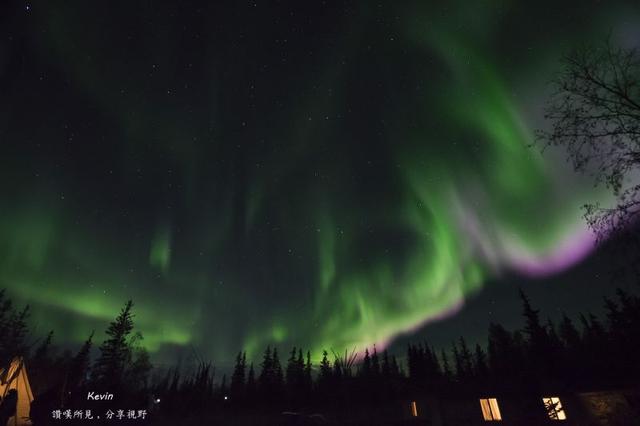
585 409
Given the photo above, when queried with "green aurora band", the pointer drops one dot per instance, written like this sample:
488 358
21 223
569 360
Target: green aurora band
328 221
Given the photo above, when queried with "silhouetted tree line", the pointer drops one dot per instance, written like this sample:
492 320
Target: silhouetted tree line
295 384
61 380
589 353
595 354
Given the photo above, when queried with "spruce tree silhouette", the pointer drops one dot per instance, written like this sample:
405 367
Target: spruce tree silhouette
295 377
251 387
270 382
79 366
292 374
481 369
433 369
14 331
123 366
539 352
385 369
375 364
308 378
504 358
573 361
325 376
465 375
446 368
365 367
299 382
115 353
43 350
237 389
42 362
278 378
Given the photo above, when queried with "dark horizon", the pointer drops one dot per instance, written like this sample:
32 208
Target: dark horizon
570 368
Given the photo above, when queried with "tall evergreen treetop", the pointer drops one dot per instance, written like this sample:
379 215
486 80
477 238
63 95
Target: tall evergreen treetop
121 355
238 376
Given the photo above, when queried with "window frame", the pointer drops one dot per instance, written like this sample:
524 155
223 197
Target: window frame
490 409
553 407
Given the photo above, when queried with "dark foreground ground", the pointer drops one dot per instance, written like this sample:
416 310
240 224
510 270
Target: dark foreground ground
603 408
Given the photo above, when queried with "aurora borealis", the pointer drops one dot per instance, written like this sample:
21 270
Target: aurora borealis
321 175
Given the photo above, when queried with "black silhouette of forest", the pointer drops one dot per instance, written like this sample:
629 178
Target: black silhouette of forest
574 354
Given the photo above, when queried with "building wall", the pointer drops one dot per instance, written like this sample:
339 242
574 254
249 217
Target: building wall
611 408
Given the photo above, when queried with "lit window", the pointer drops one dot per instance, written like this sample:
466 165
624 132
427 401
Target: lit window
414 409
490 409
554 408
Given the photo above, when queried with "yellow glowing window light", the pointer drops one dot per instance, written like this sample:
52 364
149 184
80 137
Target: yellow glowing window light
490 409
414 409
554 408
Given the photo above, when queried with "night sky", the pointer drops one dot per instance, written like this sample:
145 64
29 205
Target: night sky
318 174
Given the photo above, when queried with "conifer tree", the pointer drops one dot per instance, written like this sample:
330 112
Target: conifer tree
457 362
292 374
78 370
42 352
569 334
13 330
277 374
375 363
395 368
325 369
308 380
123 364
238 376
466 361
115 352
386 366
139 366
533 328
365 368
251 388
266 378
446 369
480 365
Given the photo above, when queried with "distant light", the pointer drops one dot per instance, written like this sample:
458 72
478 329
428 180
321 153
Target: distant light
157 400
414 409
226 397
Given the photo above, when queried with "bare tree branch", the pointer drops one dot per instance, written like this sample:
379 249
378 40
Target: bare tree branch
594 112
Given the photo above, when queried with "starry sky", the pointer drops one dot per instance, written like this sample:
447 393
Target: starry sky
321 174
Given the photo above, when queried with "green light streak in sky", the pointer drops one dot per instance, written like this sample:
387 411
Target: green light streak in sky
364 191
160 253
